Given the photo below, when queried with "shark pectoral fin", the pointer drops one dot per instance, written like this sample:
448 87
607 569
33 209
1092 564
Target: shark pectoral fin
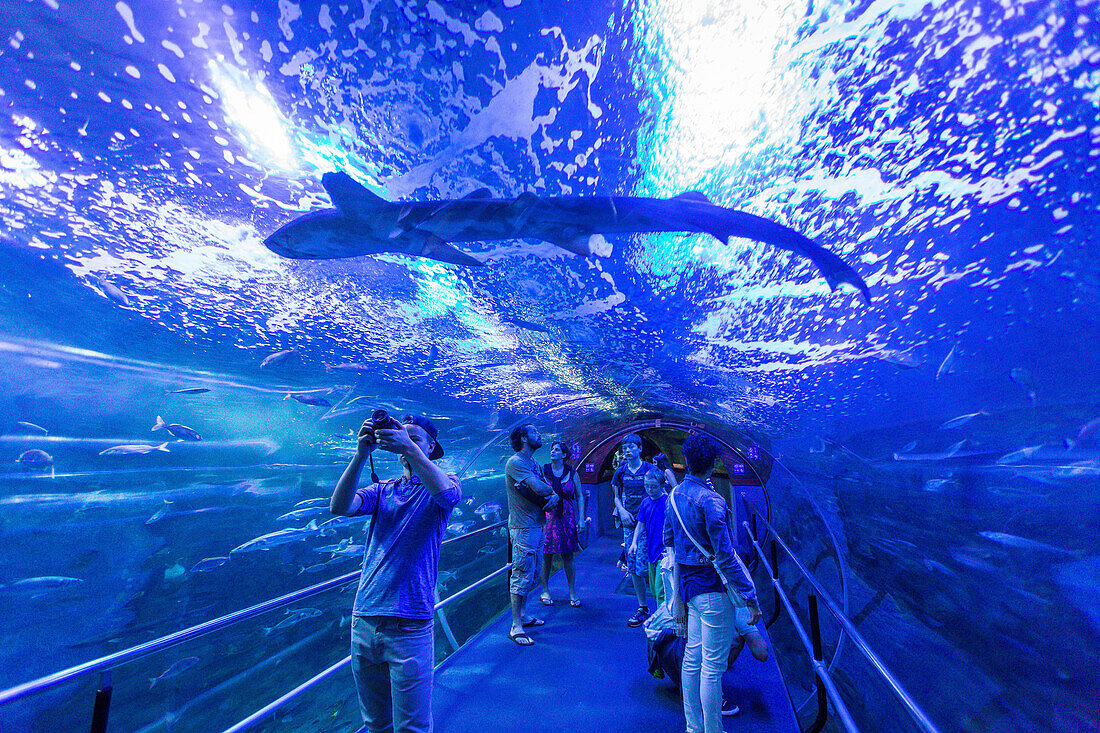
697 196
425 244
578 245
352 198
519 211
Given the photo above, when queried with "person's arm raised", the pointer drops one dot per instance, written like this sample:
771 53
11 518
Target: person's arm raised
433 477
345 501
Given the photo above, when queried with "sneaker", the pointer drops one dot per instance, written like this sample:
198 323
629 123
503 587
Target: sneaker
728 708
638 618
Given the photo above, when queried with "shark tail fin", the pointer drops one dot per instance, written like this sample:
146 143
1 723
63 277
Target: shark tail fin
162 447
160 423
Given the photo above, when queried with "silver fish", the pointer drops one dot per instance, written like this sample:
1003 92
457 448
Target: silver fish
159 514
948 365
962 420
32 426
277 358
175 669
209 563
1023 543
131 450
277 539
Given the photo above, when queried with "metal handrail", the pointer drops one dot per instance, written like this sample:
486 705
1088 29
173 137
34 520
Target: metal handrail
111 661
274 705
919 716
820 671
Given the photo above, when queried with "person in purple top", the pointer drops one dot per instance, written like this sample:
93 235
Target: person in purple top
392 634
701 599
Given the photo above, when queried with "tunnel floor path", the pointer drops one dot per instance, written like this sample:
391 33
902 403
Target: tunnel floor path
587 671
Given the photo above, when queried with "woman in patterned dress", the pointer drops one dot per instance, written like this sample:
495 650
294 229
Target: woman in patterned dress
563 523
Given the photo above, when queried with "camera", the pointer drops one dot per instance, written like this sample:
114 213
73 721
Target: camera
382 420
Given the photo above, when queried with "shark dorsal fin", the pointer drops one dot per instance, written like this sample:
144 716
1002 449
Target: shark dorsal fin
481 193
697 196
349 196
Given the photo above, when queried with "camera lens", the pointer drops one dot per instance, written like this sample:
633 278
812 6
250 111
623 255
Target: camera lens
380 417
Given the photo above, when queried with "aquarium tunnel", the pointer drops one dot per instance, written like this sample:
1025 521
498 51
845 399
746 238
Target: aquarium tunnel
850 240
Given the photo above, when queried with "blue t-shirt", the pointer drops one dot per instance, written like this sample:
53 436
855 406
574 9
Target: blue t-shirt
630 485
401 556
652 515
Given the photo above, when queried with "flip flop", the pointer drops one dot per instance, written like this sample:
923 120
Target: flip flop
521 638
546 601
534 622
575 602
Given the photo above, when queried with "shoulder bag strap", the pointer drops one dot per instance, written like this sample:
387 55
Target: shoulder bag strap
676 511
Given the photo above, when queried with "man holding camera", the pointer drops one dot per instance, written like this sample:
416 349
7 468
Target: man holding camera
392 634
529 496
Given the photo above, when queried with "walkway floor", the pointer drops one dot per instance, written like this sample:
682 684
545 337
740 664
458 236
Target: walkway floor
587 672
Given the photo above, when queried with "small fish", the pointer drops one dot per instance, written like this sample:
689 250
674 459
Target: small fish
308 399
489 508
34 459
209 563
175 669
938 567
277 539
1023 543
489 550
294 617
313 568
460 528
1017 456
334 548
446 576
1023 378
190 390
954 449
528 325
938 484
177 431
112 292
337 522
962 420
130 450
277 358
948 365
32 426
909 359
908 447
43 583
351 366
311 502
160 513
299 514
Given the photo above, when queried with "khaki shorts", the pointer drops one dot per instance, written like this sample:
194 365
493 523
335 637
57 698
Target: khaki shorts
526 559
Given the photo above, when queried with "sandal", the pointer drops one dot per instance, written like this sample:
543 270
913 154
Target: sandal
534 622
521 638
575 602
546 600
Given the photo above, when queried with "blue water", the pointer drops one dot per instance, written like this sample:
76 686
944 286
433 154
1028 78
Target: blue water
946 150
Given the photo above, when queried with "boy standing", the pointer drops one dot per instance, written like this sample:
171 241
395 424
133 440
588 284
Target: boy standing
628 483
648 534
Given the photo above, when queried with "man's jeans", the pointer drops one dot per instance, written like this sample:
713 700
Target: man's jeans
392 660
710 633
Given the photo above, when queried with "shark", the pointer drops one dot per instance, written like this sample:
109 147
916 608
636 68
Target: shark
364 223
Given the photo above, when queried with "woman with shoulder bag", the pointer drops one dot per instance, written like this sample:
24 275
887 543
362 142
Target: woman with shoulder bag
715 595
565 523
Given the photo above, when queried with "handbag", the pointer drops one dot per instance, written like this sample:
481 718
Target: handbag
732 593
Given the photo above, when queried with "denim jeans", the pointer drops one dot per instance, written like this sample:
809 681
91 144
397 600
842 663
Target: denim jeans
710 633
392 660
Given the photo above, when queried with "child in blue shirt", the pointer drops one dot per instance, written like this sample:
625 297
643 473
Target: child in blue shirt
651 514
